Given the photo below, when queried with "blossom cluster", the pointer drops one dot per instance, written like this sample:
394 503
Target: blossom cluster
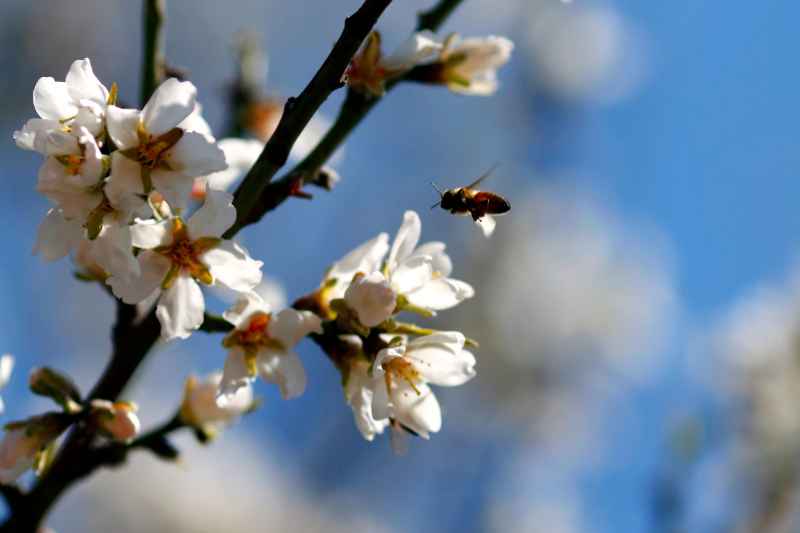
139 202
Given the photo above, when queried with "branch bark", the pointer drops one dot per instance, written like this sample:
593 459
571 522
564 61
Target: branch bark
153 60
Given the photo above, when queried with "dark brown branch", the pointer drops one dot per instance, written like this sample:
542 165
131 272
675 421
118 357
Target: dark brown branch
354 109
298 111
153 60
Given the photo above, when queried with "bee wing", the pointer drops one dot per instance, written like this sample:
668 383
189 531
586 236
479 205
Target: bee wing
482 177
487 224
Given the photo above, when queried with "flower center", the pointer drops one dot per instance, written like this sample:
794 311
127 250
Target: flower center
72 163
152 150
400 368
184 253
254 337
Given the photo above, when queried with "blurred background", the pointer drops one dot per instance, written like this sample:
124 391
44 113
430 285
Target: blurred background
638 311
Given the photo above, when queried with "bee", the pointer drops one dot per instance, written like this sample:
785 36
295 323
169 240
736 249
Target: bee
480 205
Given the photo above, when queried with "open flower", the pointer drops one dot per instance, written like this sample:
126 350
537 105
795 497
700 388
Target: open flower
177 255
370 70
116 420
202 409
366 258
155 152
262 343
401 392
419 275
64 107
469 66
371 297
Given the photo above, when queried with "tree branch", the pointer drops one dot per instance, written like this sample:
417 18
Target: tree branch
153 59
354 109
298 111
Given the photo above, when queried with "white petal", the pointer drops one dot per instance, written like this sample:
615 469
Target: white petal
170 104
216 215
290 326
245 306
149 234
487 224
359 393
234 375
418 411
285 370
122 126
175 187
372 298
52 101
57 236
180 309
6 367
32 135
232 267
153 267
420 47
196 122
440 260
112 251
439 294
441 360
412 274
83 84
406 239
366 258
381 406
195 155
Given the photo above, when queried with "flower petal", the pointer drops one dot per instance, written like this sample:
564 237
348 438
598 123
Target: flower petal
441 359
124 187
240 154
406 239
112 251
418 411
366 258
196 155
418 48
83 84
245 306
487 224
152 267
57 236
412 274
216 215
52 101
180 309
232 267
122 126
290 326
442 264
285 370
175 187
439 294
170 104
149 234
6 367
235 375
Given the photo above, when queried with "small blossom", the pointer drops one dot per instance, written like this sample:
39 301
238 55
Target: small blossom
261 344
23 441
469 66
372 298
420 274
176 256
370 70
366 258
155 151
402 393
116 420
64 108
202 409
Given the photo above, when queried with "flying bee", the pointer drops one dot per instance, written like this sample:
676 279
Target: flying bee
480 205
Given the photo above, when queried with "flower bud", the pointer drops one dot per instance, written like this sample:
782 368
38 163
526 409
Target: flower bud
371 297
47 382
117 421
202 409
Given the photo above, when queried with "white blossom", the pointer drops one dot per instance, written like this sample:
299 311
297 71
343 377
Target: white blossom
155 152
469 66
176 256
64 107
372 298
262 343
201 407
359 390
402 373
365 258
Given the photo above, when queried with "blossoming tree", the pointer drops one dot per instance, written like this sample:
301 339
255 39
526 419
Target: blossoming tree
140 202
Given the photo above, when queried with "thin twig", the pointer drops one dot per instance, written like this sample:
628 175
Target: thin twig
354 109
298 111
153 60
